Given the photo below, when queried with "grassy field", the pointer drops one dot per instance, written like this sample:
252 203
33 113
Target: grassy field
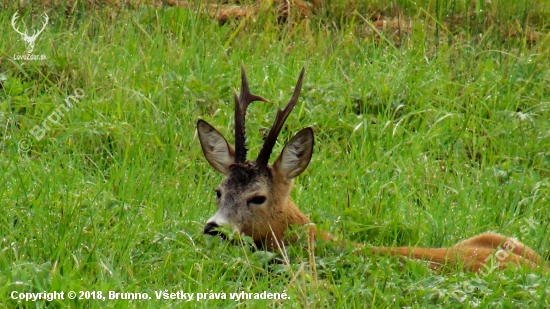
424 137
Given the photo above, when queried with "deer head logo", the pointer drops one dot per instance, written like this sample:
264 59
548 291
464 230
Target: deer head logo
29 39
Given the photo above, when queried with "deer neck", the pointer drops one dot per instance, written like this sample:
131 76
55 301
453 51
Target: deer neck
281 220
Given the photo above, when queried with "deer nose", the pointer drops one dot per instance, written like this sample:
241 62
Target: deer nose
210 229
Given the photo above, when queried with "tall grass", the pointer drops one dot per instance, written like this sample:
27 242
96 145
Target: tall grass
421 139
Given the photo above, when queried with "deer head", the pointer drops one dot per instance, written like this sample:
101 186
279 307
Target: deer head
253 199
28 38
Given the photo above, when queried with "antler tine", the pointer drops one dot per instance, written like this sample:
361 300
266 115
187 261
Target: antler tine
282 115
46 19
13 20
241 104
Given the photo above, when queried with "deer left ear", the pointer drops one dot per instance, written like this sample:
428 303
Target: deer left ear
215 147
296 155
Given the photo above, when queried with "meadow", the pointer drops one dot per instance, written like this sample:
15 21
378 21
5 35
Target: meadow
425 134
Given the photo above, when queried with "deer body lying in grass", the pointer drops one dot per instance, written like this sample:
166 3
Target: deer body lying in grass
254 197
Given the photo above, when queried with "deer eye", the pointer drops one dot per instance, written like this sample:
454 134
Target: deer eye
257 200
218 194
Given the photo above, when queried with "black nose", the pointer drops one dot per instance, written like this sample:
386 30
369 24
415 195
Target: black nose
210 229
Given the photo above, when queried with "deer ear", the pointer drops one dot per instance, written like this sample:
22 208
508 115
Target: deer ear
296 155
216 149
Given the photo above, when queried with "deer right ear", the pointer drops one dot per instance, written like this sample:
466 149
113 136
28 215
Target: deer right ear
216 149
296 155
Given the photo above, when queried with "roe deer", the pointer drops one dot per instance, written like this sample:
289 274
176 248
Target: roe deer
254 197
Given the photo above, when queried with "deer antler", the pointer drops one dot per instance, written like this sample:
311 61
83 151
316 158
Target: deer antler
13 20
282 115
241 103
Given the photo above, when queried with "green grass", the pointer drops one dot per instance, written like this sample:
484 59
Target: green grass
424 139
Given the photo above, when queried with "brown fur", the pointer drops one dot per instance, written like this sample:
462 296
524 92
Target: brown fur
480 253
269 225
